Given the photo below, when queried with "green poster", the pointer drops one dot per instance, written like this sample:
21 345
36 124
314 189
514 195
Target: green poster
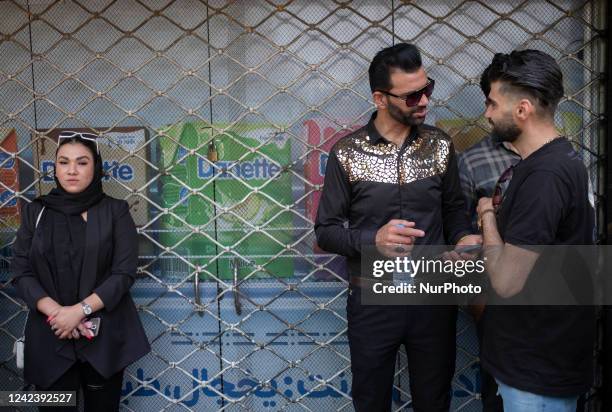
249 187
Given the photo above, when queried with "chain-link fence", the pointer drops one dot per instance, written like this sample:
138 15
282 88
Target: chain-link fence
216 118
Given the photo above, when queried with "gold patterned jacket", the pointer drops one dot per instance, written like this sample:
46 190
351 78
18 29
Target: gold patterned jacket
369 181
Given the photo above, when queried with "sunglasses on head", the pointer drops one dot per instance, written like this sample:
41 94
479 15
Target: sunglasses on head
413 99
79 135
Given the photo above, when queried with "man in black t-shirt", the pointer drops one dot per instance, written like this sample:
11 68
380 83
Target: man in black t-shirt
540 356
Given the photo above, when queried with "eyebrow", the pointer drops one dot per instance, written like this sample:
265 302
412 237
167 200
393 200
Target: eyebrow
78 158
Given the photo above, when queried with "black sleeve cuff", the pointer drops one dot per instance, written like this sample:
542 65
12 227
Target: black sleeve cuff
30 291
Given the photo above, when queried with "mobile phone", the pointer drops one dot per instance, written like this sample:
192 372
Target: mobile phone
468 248
95 326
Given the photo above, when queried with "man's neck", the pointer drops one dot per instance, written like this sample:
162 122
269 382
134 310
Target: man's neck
532 139
510 147
390 129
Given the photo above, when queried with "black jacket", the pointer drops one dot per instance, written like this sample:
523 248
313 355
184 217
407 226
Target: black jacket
369 181
109 270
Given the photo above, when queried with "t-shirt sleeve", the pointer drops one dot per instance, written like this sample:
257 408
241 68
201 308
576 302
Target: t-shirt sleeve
539 206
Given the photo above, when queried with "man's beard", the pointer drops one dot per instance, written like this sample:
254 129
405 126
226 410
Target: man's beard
406 118
505 130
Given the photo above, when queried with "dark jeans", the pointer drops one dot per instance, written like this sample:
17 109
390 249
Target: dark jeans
376 333
491 401
100 394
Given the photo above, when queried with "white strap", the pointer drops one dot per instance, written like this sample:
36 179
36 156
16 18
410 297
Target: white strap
39 216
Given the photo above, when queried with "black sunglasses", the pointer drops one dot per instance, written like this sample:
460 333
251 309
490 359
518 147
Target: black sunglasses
413 99
500 187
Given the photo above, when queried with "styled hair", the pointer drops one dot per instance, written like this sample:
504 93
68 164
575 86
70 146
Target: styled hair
532 73
402 56
91 146
485 84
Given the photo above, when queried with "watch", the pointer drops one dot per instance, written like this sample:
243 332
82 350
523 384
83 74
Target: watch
87 310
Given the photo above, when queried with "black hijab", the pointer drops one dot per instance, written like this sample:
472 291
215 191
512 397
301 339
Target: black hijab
70 204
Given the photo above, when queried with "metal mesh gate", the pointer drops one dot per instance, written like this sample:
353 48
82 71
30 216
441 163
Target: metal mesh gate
216 120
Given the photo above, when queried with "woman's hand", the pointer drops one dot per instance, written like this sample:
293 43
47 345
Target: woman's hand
48 306
84 329
65 320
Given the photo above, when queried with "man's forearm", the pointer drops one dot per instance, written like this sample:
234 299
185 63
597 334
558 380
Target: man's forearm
490 233
493 246
508 266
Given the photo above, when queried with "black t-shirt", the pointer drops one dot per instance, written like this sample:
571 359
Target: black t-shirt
546 350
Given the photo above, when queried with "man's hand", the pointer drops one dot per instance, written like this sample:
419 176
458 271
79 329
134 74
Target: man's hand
470 240
65 320
397 237
464 242
458 254
484 203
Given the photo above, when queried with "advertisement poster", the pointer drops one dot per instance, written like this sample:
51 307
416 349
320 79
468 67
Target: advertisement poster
9 184
232 207
322 134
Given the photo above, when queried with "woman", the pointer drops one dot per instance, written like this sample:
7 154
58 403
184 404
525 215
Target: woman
74 259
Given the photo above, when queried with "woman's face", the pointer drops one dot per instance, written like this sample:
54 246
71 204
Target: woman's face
74 167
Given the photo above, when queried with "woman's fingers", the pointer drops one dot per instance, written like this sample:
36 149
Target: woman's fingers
62 334
82 329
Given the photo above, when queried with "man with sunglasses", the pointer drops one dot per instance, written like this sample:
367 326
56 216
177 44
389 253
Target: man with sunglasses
394 183
540 356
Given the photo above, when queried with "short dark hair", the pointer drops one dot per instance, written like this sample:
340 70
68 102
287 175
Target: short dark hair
530 72
485 83
402 56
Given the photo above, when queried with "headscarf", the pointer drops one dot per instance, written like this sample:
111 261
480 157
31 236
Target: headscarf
61 201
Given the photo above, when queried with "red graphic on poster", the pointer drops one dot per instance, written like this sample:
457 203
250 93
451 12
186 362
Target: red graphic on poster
9 176
322 134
